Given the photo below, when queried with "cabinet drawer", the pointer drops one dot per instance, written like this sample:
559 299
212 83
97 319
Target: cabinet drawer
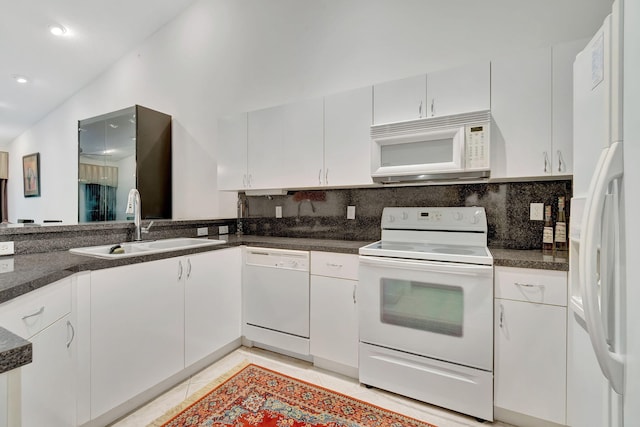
29 314
332 264
531 285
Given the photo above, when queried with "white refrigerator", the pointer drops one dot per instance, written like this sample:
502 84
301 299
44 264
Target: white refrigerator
597 316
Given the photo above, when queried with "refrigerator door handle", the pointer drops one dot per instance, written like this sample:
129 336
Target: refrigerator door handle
610 168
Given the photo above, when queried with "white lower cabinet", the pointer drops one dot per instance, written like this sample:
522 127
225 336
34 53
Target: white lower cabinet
530 344
46 386
334 314
213 302
151 320
137 330
48 393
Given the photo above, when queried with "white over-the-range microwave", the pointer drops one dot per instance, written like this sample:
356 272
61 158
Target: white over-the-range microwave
434 148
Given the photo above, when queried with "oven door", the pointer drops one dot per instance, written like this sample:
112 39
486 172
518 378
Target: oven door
435 309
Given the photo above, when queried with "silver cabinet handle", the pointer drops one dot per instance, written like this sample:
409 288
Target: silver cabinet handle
354 293
433 108
188 268
330 264
37 313
528 285
326 176
249 181
420 110
179 270
560 168
546 162
73 333
244 180
320 177
501 316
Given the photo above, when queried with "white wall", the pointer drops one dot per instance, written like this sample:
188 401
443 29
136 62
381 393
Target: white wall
225 56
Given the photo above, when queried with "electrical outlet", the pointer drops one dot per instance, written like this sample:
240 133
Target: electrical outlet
6 248
536 211
278 211
6 265
203 231
351 212
223 229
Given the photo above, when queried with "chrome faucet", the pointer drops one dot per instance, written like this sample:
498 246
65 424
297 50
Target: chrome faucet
134 207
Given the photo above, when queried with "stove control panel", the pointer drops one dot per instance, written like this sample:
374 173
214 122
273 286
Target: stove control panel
468 218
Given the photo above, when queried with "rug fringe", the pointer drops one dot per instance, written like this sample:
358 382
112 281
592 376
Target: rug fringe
198 395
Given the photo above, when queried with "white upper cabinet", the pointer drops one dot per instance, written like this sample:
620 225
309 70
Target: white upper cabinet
399 100
347 141
232 152
459 90
532 108
439 93
303 145
521 109
265 136
562 120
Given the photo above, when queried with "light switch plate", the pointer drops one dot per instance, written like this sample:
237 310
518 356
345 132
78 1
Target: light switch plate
278 211
6 248
351 212
223 229
6 265
536 211
203 231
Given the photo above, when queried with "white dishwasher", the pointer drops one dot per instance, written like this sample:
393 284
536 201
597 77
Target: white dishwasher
276 298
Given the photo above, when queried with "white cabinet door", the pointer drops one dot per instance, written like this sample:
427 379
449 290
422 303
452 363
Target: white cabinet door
562 120
459 90
521 109
347 142
48 397
334 320
530 359
212 302
400 100
232 152
137 330
265 138
303 145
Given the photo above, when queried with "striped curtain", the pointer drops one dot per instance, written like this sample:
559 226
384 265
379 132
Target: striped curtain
100 203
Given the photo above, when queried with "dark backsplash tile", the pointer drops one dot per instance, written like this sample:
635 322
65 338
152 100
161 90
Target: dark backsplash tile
322 213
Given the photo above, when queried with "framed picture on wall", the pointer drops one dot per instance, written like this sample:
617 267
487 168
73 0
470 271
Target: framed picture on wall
31 175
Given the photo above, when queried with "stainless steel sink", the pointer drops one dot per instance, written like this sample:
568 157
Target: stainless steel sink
145 247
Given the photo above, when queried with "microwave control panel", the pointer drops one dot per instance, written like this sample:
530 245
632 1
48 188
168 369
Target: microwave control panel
477 142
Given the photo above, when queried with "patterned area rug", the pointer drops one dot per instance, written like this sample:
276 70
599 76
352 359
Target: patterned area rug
253 396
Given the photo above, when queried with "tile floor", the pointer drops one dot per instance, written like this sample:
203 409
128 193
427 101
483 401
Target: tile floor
304 371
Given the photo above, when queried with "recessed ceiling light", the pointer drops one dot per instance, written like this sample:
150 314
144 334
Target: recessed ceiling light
57 30
20 79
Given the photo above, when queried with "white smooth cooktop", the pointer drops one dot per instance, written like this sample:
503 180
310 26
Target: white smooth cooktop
448 234
429 252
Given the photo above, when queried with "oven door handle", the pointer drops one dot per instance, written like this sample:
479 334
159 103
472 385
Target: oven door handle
440 267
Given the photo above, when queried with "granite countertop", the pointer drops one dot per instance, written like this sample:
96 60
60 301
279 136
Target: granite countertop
32 271
529 259
14 351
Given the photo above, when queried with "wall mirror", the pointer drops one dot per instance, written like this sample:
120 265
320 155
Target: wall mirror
118 151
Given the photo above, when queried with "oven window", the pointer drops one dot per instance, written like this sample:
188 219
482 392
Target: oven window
425 306
412 153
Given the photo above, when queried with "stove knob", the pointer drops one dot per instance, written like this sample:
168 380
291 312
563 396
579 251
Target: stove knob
391 218
475 218
457 216
405 215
